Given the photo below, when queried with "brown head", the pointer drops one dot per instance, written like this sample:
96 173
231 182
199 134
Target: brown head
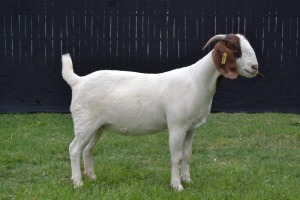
233 56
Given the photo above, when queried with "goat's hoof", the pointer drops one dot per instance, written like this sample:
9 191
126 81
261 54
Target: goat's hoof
77 184
187 180
92 177
178 188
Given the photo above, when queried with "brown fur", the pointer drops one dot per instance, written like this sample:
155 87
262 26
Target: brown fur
231 46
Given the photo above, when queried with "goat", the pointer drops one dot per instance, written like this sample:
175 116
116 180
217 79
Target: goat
133 103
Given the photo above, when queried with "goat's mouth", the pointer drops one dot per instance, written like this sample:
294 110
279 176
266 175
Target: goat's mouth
251 73
254 73
260 75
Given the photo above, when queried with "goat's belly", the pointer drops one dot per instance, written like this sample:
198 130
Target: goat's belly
135 129
132 115
141 123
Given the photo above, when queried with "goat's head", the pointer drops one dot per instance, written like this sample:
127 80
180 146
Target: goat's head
233 56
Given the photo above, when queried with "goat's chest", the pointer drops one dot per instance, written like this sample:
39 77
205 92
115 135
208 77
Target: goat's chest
198 122
200 117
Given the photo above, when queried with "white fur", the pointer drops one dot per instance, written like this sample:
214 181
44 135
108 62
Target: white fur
133 103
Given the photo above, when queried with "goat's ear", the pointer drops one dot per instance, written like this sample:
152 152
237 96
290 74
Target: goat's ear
225 61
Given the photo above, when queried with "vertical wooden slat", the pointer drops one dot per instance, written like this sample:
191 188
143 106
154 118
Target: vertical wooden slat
4 57
297 39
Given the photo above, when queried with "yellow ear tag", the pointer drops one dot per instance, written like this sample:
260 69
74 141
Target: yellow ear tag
224 57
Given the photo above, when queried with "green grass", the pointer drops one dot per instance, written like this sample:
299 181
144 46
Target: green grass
235 156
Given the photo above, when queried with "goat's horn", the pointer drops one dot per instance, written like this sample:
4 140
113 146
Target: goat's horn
215 38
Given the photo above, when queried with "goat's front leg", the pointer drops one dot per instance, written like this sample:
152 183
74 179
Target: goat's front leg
186 156
176 138
88 156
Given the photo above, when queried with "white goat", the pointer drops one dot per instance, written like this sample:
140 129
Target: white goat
133 103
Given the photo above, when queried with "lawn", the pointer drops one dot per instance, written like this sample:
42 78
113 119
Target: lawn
235 156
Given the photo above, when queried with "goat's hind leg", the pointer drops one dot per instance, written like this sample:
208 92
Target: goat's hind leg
88 155
82 138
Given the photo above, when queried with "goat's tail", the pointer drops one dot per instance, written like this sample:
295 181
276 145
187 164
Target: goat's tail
67 70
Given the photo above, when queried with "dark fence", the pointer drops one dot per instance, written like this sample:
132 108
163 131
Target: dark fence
144 36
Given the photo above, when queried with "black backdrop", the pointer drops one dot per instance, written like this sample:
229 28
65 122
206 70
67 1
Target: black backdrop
144 36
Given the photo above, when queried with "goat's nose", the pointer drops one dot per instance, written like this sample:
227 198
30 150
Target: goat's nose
255 67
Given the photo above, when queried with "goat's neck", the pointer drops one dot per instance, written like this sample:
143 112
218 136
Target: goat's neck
206 73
